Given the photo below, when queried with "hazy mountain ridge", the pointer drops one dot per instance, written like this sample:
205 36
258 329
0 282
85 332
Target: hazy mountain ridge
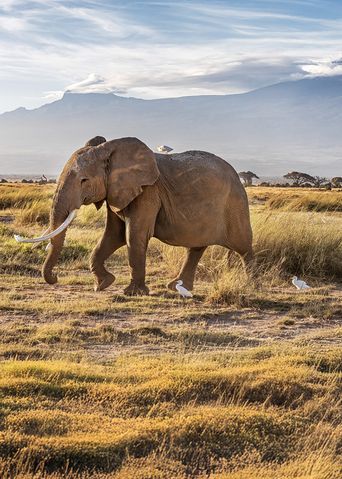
291 125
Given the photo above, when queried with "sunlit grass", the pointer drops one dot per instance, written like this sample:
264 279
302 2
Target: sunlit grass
297 199
19 196
104 415
243 381
36 213
315 201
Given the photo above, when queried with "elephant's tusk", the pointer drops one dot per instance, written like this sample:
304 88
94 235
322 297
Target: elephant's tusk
54 233
35 245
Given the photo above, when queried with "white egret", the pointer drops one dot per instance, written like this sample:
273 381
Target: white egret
181 290
299 284
164 149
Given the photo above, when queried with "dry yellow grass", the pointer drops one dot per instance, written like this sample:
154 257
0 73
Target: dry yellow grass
242 382
19 196
309 202
223 406
297 199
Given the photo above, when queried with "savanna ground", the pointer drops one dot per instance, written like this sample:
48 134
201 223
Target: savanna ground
242 381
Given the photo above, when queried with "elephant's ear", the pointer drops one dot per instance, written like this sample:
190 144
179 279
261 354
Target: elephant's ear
130 166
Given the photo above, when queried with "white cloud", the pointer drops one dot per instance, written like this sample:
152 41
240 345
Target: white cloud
52 95
112 25
324 67
12 23
7 5
93 81
93 84
182 48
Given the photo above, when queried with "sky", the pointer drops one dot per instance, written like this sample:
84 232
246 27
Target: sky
157 49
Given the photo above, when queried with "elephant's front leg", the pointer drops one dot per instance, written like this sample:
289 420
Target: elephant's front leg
113 238
140 217
137 242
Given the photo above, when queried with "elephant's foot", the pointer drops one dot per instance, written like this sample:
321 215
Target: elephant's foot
104 282
136 290
187 284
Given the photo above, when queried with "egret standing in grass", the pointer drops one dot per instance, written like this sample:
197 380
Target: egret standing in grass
164 149
299 284
182 291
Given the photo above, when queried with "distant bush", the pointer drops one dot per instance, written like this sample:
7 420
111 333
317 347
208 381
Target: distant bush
336 182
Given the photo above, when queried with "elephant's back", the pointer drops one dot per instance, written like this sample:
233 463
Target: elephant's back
197 163
196 159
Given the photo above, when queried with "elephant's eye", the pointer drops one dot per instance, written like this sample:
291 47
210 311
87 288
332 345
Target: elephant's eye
84 180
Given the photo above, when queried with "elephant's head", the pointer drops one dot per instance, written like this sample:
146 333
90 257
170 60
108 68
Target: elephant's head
114 171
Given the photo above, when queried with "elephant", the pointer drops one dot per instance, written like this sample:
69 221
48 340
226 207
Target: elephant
192 199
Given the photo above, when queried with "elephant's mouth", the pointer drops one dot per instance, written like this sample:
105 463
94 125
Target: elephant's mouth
48 236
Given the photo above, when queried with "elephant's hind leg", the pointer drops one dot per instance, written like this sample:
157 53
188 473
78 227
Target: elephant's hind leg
113 238
245 252
239 238
188 270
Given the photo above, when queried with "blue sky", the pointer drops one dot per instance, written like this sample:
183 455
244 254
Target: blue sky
154 49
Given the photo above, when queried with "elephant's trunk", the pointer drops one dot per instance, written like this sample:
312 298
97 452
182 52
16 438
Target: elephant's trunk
57 217
52 258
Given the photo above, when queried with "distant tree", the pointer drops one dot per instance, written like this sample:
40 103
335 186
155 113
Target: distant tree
321 181
299 178
3 180
336 182
247 177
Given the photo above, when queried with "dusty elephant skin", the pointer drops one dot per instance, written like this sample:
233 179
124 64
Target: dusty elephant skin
192 199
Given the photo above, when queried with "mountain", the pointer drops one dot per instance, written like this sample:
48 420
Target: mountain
294 125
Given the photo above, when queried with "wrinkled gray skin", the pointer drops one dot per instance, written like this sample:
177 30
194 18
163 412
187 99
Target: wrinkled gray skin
193 199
